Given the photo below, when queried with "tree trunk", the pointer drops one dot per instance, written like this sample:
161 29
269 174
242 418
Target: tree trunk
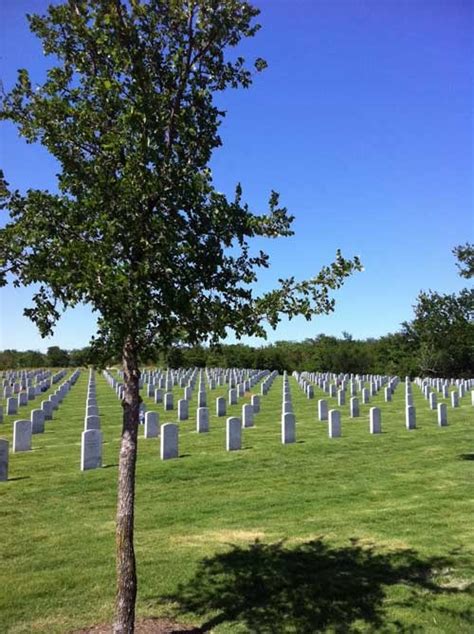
125 554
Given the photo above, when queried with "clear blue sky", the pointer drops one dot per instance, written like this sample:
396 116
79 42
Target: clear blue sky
363 123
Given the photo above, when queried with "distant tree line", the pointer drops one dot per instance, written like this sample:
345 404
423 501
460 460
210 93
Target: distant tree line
408 352
439 341
54 357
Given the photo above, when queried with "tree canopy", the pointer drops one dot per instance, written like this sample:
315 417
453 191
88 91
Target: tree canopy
465 256
137 229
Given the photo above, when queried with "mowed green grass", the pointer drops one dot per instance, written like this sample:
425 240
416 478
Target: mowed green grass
360 533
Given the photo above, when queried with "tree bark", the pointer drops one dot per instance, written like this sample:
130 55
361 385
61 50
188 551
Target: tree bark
125 555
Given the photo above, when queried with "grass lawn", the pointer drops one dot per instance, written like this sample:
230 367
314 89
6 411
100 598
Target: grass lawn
361 533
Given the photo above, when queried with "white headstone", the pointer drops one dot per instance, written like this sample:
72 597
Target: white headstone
168 402
255 402
12 405
91 449
410 417
91 422
151 425
3 460
92 410
354 407
183 409
21 436
334 425
288 428
233 433
37 421
322 409
220 406
47 408
169 441
375 420
442 415
202 420
247 415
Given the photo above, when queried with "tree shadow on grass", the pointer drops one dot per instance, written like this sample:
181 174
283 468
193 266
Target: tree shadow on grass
312 587
466 456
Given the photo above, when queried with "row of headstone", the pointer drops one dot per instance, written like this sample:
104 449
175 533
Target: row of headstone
27 386
92 415
288 423
13 403
212 377
338 386
169 437
430 387
234 393
91 437
23 430
391 384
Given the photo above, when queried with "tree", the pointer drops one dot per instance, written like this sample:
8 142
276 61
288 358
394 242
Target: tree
32 359
57 358
465 256
136 229
8 359
443 327
80 357
443 333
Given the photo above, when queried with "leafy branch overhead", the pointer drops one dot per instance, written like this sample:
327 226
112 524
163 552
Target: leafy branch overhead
465 256
136 228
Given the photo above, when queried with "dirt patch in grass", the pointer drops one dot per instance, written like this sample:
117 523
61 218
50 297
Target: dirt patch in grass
218 537
145 626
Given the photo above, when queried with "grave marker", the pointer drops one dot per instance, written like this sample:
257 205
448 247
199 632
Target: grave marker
91 422
322 409
37 421
151 425
410 417
354 407
91 449
21 436
169 441
334 426
288 429
375 420
183 409
3 460
202 420
233 434
220 406
442 415
12 405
